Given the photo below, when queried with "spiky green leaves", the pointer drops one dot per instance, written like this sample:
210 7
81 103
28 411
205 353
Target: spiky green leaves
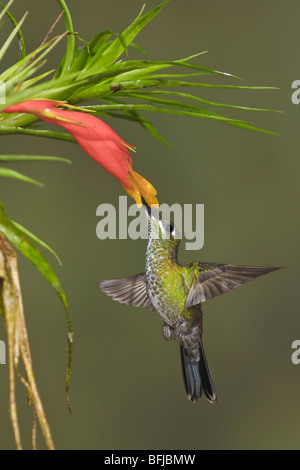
125 88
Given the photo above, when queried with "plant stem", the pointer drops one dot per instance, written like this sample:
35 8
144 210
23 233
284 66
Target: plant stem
37 133
18 343
9 317
71 38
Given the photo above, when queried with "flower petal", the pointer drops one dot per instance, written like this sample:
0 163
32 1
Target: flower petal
140 187
134 193
97 139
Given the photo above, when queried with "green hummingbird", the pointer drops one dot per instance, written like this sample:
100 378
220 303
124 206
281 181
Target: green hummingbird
176 293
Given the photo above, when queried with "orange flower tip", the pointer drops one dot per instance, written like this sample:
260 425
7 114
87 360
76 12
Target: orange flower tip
153 203
140 188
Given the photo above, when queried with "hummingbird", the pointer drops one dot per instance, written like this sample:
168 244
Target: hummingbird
176 293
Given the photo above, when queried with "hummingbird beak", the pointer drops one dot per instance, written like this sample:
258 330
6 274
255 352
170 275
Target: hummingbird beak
146 207
152 212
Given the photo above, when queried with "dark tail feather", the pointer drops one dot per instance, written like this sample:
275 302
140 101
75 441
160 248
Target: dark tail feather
191 376
197 376
206 377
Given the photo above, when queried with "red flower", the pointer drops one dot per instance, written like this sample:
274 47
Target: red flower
97 139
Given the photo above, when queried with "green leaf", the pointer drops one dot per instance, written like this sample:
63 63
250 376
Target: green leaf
89 50
3 12
26 61
152 94
179 75
11 37
68 58
56 89
171 83
140 74
113 52
139 48
133 115
28 83
22 73
30 158
103 89
19 33
8 173
94 73
36 239
193 111
147 66
148 126
37 133
200 113
134 69
22 243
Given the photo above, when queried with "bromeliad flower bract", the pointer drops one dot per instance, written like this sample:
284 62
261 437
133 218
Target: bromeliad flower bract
97 139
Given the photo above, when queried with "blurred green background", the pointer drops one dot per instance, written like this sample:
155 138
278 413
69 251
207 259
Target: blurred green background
127 390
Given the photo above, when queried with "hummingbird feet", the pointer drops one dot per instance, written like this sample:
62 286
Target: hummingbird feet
167 332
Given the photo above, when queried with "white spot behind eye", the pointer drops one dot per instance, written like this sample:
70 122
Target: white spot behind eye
168 228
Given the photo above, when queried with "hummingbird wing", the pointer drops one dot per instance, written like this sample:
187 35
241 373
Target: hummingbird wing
212 280
128 290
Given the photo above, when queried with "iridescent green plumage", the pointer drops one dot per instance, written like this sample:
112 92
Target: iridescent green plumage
176 293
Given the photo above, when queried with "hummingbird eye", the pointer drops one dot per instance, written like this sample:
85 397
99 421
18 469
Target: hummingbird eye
170 227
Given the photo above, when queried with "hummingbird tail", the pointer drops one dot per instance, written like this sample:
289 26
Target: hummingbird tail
197 376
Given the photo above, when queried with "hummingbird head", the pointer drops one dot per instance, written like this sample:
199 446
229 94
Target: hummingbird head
161 231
